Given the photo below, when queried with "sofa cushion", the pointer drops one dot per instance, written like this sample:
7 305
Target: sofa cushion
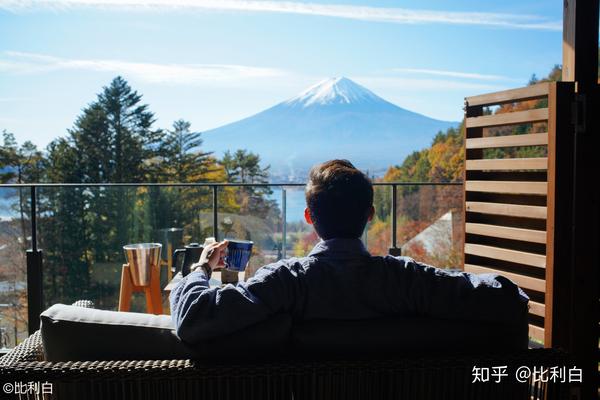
71 333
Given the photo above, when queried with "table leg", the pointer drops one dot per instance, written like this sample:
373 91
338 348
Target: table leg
126 289
153 293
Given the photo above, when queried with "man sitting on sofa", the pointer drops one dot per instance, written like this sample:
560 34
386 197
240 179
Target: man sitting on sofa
338 279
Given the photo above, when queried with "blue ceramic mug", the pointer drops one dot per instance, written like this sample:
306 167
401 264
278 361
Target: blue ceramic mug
238 254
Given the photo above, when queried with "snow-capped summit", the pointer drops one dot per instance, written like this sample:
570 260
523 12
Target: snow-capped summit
335 118
333 91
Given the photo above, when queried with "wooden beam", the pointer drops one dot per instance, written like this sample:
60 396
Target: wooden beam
511 118
510 210
536 332
536 308
510 187
499 253
537 91
507 164
530 139
506 232
523 281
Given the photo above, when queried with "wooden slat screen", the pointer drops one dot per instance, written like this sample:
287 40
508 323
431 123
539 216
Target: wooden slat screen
507 141
509 201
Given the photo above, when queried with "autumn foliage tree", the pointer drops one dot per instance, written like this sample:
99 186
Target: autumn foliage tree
442 162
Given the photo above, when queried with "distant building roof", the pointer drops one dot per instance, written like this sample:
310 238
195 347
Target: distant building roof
7 286
436 236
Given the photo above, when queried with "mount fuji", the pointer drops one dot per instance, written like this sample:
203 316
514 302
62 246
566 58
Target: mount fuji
336 118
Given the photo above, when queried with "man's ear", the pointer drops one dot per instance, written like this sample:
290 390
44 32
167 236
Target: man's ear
307 216
371 213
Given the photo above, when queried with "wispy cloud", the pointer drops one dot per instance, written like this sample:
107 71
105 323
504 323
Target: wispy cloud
401 84
222 75
28 63
13 99
453 74
363 13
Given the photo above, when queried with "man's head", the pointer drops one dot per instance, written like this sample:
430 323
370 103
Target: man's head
339 200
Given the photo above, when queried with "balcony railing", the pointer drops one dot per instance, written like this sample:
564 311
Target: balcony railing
82 228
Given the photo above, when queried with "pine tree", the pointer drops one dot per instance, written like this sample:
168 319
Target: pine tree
128 129
113 138
65 227
111 141
183 160
244 167
21 164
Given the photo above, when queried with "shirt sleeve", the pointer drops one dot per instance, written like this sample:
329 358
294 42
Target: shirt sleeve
438 293
200 312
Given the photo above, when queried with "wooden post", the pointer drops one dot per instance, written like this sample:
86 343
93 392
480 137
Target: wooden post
558 222
580 42
580 65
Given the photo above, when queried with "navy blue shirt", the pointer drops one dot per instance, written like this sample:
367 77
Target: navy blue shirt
339 279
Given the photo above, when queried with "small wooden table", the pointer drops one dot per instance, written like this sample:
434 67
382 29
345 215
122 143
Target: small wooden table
152 291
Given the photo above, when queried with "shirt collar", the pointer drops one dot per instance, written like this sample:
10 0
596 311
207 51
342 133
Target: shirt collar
337 246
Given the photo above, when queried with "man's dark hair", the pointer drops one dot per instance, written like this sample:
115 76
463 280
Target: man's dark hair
339 198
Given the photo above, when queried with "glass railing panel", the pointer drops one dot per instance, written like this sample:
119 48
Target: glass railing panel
377 234
179 215
300 236
253 213
82 231
15 239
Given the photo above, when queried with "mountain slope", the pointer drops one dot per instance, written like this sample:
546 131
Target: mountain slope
336 118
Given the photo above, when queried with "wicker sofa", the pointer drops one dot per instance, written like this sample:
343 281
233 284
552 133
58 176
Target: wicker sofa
443 372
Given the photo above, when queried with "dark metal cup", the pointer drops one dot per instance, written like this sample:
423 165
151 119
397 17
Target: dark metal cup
238 254
191 255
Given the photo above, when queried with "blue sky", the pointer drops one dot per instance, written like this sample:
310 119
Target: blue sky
214 62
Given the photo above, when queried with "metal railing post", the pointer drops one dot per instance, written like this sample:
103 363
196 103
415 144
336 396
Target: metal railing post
215 213
34 273
284 222
394 250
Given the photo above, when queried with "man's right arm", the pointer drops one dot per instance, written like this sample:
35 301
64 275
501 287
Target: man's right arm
434 292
